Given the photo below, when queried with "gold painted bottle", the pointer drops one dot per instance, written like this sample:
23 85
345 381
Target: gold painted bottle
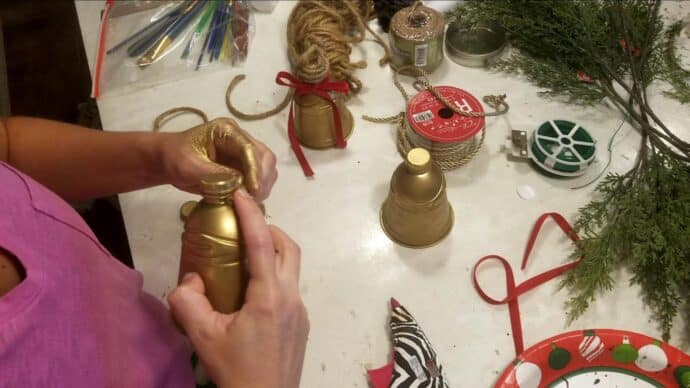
212 243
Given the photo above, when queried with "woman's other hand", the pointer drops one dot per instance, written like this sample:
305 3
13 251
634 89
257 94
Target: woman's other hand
217 146
262 345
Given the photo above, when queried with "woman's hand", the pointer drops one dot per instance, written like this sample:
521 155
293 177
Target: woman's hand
262 345
217 146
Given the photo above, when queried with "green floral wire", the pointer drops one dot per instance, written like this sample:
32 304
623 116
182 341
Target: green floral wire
608 163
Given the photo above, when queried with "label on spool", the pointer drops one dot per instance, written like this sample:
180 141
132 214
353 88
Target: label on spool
420 54
430 118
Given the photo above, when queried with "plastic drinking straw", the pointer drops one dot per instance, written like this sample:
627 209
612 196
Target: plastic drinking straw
226 51
221 32
213 33
174 13
196 35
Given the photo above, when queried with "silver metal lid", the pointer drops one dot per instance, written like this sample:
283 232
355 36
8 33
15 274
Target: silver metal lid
474 46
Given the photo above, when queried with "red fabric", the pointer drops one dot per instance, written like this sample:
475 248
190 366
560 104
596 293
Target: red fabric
381 377
322 90
513 291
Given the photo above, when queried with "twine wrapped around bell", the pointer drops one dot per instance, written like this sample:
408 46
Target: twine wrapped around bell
417 213
314 121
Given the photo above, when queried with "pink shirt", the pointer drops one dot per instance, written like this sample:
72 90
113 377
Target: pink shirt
80 317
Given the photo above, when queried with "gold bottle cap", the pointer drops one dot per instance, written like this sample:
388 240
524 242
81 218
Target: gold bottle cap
220 184
418 161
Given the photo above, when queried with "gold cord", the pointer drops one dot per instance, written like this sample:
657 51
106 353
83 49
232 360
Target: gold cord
253 116
447 156
169 114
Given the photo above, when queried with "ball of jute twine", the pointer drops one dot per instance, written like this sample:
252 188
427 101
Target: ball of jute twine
320 35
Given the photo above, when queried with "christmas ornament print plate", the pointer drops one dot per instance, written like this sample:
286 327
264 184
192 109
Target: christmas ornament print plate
600 359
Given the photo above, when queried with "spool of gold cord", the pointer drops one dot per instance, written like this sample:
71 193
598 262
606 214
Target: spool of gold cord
447 156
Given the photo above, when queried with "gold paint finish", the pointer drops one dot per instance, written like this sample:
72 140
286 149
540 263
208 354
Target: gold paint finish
219 185
212 243
418 160
186 210
416 212
314 123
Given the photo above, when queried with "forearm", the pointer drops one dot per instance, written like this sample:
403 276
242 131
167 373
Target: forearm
80 163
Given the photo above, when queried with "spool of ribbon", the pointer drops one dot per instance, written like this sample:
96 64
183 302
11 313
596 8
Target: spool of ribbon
323 90
513 291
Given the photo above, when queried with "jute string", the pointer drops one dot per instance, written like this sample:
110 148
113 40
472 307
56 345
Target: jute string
169 114
320 35
421 24
415 6
447 156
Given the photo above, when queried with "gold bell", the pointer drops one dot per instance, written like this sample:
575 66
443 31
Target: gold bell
212 244
314 122
416 213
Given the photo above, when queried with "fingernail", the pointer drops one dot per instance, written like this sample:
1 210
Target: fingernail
187 277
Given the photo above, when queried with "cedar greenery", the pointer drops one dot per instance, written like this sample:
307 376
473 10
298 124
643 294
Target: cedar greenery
639 219
674 74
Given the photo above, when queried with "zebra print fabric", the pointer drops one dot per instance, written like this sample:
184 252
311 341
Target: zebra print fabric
415 363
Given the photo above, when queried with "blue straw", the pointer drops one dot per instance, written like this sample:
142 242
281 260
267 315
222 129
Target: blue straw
221 33
213 33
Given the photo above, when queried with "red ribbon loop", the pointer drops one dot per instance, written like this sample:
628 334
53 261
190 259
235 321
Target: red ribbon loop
286 79
513 291
321 89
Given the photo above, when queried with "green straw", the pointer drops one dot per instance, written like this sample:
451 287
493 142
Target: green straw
205 18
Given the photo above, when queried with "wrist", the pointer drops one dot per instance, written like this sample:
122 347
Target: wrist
151 149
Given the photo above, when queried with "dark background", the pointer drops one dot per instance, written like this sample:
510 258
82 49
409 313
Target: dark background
48 76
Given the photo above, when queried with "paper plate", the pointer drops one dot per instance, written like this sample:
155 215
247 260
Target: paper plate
598 358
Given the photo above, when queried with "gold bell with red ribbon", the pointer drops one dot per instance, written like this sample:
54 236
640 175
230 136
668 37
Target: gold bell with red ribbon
317 118
315 124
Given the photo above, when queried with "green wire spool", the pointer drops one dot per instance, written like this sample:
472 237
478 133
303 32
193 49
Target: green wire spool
562 148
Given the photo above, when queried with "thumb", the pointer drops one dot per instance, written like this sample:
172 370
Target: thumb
191 307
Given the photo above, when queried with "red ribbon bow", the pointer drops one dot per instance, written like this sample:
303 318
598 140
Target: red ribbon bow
513 291
322 90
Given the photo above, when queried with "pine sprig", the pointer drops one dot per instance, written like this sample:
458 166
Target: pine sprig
639 219
643 224
673 73
555 78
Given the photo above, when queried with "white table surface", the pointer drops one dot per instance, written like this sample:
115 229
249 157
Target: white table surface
350 268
